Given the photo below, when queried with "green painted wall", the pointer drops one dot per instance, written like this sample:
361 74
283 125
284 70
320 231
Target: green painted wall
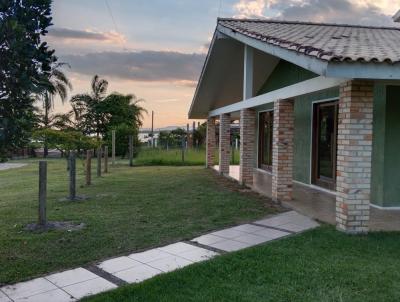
385 186
285 74
378 145
302 132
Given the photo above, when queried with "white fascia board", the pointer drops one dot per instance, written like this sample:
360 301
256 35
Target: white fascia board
305 87
351 70
356 70
310 63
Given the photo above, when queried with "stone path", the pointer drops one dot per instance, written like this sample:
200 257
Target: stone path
7 166
75 284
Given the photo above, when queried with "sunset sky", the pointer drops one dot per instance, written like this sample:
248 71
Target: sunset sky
155 49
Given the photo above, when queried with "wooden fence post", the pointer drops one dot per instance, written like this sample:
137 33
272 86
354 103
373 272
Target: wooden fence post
130 150
105 159
183 149
88 167
42 192
99 155
72 176
113 147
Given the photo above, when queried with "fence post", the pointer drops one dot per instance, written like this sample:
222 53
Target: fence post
105 159
130 150
88 167
72 176
113 148
99 161
42 192
183 149
233 154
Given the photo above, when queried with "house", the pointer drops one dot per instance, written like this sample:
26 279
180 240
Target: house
396 18
318 104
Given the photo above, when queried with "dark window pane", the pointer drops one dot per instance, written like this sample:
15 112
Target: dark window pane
265 139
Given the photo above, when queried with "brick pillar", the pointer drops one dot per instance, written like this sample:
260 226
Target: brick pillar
210 142
353 183
247 145
224 143
282 150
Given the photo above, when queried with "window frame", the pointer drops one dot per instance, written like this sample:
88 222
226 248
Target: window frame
261 136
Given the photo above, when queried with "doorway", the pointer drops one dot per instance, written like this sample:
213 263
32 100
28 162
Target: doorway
325 121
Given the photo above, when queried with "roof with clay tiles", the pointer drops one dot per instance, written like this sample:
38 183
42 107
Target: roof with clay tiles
327 42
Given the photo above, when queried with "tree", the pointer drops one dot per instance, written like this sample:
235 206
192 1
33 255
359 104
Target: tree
200 134
99 114
25 64
65 140
85 107
58 84
124 114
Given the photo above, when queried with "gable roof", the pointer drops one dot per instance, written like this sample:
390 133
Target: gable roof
333 51
327 42
396 17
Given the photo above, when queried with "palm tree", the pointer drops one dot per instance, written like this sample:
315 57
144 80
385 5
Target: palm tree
84 106
57 84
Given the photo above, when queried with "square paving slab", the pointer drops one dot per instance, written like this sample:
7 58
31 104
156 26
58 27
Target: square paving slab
56 295
70 277
3 297
138 273
149 255
229 245
170 264
118 264
88 288
29 288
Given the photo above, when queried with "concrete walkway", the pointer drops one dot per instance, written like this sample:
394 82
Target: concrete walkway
75 284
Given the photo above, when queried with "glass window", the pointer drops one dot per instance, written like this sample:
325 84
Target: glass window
265 140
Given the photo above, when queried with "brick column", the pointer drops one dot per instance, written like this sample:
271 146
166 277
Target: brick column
353 183
210 142
247 145
224 143
282 150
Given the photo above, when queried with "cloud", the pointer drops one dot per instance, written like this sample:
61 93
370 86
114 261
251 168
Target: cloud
62 33
365 12
181 69
250 8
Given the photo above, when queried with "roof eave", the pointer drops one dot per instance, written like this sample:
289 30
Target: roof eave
190 114
307 62
396 17
342 69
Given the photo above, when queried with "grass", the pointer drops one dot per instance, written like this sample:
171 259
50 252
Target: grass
173 157
320 265
129 209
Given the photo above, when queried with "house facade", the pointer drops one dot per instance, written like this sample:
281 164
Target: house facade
318 104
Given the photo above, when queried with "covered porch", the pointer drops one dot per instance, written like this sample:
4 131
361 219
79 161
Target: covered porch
308 126
317 204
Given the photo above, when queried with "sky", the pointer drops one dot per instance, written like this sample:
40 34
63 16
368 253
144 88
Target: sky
155 49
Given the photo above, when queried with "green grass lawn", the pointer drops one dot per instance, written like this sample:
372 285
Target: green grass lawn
173 157
319 265
129 209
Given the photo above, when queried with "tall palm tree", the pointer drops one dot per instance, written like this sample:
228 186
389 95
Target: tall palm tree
84 106
57 85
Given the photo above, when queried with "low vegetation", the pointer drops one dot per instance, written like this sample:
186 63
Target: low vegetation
129 209
173 157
